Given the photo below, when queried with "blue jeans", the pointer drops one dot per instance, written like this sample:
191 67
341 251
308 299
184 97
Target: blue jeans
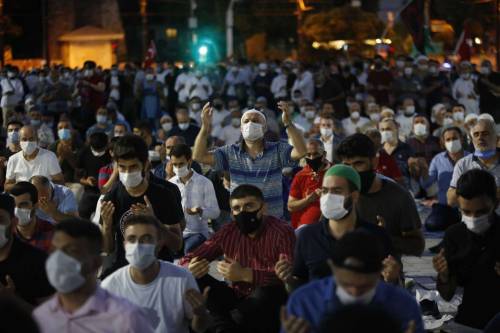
192 241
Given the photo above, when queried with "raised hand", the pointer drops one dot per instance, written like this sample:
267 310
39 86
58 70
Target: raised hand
286 116
391 269
206 116
197 301
231 270
107 211
143 209
292 324
283 268
440 265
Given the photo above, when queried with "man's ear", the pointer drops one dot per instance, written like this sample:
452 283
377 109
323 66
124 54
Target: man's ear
355 197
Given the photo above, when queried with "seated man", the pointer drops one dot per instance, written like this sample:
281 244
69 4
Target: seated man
303 201
164 169
80 305
30 228
136 193
198 197
55 202
251 246
315 243
383 201
31 160
22 266
357 266
470 257
168 294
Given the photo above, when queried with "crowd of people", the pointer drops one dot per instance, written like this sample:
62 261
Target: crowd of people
270 197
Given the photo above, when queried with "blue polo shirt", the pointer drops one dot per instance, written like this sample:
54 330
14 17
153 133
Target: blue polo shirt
314 300
265 171
440 170
64 200
315 245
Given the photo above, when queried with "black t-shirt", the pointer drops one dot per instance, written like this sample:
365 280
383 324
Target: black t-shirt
89 165
487 101
26 267
471 259
166 206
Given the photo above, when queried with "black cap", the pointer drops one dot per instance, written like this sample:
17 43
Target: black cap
7 203
359 251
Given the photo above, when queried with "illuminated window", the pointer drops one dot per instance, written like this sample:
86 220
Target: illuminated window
171 33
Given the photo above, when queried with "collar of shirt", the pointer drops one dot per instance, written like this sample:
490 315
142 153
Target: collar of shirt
95 303
176 179
484 166
264 142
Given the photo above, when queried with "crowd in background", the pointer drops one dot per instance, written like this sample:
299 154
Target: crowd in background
247 197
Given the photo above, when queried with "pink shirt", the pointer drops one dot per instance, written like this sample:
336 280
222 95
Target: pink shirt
102 312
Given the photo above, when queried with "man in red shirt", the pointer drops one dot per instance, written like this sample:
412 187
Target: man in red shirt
29 227
250 247
303 201
387 164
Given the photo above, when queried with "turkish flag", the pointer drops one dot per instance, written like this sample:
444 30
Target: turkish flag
464 44
150 54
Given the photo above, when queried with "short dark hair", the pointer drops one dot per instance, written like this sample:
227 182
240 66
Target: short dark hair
129 147
143 126
98 140
21 188
80 228
247 190
40 179
181 106
135 219
15 122
477 183
180 150
356 145
451 128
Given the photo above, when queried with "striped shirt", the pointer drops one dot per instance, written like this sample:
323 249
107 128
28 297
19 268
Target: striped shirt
260 253
265 171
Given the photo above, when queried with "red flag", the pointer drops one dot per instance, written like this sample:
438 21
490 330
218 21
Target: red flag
150 54
413 18
464 44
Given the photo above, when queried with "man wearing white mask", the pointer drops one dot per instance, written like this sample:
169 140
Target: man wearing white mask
13 137
424 145
485 156
30 228
355 122
181 84
469 258
12 93
356 264
339 197
22 273
167 294
405 120
198 197
199 86
464 88
254 161
80 304
137 193
31 160
231 133
440 172
328 136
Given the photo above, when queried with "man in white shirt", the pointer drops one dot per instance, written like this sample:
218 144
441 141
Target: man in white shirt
32 161
354 123
199 86
304 83
12 93
230 134
220 114
181 85
278 85
168 294
405 120
198 197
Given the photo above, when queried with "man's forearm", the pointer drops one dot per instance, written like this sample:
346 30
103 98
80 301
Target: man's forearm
108 243
173 240
297 204
446 286
59 216
298 141
200 144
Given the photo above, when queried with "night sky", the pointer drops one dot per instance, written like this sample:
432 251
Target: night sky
27 15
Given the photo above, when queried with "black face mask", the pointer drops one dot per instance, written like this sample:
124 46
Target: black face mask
315 163
367 178
248 222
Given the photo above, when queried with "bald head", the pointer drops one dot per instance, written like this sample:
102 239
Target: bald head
28 133
172 141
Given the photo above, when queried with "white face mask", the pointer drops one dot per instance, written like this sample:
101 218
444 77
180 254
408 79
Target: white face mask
459 116
23 215
101 119
375 117
236 122
252 131
326 132
182 171
477 225
409 110
131 179
3 239
420 130
140 256
485 70
97 153
465 76
400 63
408 71
13 137
64 272
347 299
355 115
183 126
29 147
447 122
153 155
453 146
310 114
166 126
386 136
149 77
332 206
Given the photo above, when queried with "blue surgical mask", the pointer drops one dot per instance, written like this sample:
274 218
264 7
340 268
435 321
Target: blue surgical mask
485 154
101 119
35 122
64 134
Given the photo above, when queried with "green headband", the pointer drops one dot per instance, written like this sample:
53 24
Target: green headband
346 172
